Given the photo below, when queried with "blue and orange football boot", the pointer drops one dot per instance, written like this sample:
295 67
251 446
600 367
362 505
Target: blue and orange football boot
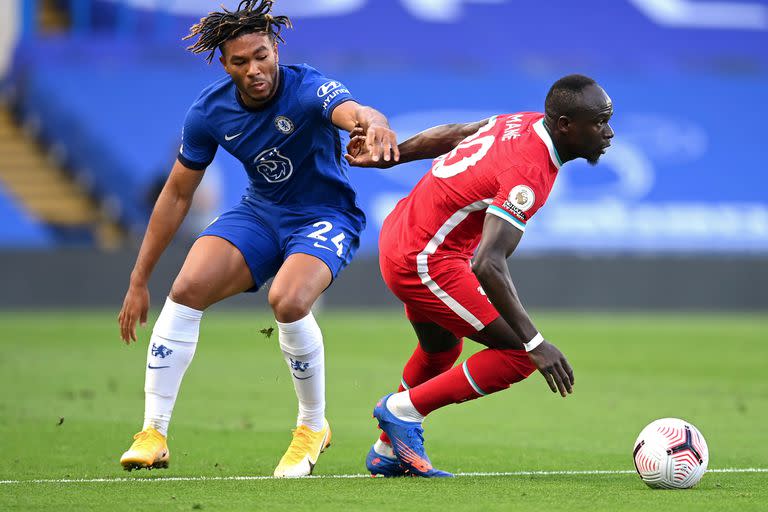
381 465
407 441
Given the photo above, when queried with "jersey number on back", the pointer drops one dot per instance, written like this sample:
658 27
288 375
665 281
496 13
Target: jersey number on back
480 145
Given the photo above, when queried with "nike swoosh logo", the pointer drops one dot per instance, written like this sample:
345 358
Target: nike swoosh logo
230 137
302 378
156 367
323 247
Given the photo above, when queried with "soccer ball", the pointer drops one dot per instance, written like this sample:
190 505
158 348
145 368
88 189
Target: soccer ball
670 454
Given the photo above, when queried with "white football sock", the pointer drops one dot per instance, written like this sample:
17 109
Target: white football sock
384 449
302 345
171 347
401 406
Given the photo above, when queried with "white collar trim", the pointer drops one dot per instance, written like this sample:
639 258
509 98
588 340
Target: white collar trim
543 134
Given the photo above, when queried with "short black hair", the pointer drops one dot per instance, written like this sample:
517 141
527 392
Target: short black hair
563 97
219 27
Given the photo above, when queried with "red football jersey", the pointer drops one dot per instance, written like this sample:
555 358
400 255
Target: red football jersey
506 168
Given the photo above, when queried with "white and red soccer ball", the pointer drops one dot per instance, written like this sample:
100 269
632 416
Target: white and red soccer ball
670 454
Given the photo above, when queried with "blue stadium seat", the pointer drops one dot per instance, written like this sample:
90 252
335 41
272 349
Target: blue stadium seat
19 229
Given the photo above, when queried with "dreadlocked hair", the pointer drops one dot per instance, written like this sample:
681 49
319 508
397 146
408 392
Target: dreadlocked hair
250 16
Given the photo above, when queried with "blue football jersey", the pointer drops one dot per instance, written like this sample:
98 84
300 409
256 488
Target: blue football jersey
291 151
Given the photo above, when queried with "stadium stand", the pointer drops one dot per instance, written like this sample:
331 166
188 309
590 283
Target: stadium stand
112 93
42 205
120 156
20 230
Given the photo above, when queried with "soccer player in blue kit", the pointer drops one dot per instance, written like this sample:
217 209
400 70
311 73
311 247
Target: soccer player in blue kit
298 221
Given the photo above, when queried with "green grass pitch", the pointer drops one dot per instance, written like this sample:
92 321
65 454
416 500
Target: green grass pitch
236 408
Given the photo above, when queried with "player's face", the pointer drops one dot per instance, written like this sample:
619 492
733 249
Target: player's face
590 134
251 60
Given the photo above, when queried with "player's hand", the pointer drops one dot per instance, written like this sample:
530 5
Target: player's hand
376 147
357 151
554 367
358 155
356 145
382 143
135 307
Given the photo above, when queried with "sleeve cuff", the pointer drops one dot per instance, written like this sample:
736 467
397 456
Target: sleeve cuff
498 212
196 166
329 111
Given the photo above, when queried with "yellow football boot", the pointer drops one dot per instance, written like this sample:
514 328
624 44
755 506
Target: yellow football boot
149 450
304 450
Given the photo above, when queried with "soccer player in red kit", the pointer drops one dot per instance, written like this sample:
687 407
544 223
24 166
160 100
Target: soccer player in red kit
444 250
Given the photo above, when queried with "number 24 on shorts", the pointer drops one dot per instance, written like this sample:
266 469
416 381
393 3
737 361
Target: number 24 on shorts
325 227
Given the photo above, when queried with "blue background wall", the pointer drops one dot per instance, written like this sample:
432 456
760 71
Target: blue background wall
685 172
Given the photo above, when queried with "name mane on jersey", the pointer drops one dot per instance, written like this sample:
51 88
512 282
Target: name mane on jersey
512 127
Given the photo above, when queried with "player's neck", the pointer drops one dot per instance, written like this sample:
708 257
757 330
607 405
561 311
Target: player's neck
252 104
562 152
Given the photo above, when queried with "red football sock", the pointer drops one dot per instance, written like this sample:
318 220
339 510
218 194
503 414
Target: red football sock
484 373
422 366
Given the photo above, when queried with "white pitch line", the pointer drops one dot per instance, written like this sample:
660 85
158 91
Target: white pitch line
320 477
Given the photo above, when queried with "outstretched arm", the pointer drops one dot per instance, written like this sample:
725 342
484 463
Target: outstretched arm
373 128
170 209
430 143
499 240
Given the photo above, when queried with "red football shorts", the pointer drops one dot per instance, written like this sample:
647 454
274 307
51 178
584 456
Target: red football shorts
445 292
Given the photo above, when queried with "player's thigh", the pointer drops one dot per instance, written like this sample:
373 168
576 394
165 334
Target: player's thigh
214 270
319 244
297 285
331 236
447 294
237 252
498 334
432 337
462 293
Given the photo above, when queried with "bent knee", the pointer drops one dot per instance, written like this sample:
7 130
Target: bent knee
289 306
517 365
190 293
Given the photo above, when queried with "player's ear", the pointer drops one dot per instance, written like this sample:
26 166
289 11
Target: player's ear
563 124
